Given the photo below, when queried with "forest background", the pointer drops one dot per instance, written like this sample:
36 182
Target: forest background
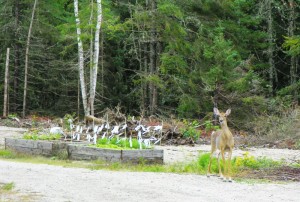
169 58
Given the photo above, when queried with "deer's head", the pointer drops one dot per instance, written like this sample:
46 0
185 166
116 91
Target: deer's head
222 117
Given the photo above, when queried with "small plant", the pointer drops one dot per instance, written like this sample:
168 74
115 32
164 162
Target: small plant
251 162
38 135
68 118
6 154
12 116
190 131
34 120
8 186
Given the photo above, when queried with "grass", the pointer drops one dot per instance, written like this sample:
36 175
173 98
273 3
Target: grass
240 165
8 186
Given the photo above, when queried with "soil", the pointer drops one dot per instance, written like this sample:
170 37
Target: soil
37 182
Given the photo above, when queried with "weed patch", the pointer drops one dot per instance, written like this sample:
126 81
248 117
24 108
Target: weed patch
7 187
38 135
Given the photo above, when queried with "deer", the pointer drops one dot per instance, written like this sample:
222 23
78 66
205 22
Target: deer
223 141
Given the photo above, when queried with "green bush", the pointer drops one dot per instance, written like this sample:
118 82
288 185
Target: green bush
190 131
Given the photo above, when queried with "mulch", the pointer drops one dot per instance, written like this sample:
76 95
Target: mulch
283 173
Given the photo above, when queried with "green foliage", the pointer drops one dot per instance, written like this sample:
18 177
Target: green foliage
66 120
166 7
188 106
190 131
209 126
222 59
6 154
238 163
292 44
38 135
200 45
255 101
8 186
115 143
250 162
13 115
173 64
203 162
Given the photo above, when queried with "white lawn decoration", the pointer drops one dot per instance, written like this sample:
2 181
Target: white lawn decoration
103 136
100 128
130 142
107 126
89 137
114 131
76 134
57 130
147 142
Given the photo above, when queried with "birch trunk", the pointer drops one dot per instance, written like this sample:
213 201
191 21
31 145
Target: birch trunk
91 48
95 57
81 61
5 102
26 58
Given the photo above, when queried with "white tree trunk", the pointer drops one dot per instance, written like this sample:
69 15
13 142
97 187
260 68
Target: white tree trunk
81 61
95 57
5 103
26 58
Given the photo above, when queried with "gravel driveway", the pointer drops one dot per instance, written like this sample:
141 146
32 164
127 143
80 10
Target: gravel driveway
38 182
59 184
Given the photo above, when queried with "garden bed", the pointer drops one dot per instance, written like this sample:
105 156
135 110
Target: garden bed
81 151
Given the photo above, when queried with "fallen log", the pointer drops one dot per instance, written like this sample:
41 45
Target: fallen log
93 120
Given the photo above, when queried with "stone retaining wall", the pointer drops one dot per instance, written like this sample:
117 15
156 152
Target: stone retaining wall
80 151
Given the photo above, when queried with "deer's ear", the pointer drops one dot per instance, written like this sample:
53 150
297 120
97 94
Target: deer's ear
216 111
228 112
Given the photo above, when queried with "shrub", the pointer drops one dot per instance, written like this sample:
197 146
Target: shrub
190 131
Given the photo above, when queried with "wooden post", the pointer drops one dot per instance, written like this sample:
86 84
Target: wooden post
5 103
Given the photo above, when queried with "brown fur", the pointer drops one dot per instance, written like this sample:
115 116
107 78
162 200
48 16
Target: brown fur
222 140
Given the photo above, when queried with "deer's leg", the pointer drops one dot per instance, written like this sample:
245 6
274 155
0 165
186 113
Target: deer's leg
229 166
209 165
220 169
213 149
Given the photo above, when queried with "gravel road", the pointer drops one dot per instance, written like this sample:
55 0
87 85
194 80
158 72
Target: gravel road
37 182
59 184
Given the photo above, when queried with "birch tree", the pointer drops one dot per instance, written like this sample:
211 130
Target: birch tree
88 103
5 102
26 57
81 61
93 82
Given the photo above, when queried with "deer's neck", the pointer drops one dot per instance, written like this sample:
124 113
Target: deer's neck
225 129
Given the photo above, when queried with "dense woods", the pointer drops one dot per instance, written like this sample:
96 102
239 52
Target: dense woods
171 58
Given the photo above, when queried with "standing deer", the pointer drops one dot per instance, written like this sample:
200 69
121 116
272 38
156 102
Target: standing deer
222 140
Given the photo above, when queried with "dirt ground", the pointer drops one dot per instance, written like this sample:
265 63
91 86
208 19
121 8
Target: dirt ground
35 182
